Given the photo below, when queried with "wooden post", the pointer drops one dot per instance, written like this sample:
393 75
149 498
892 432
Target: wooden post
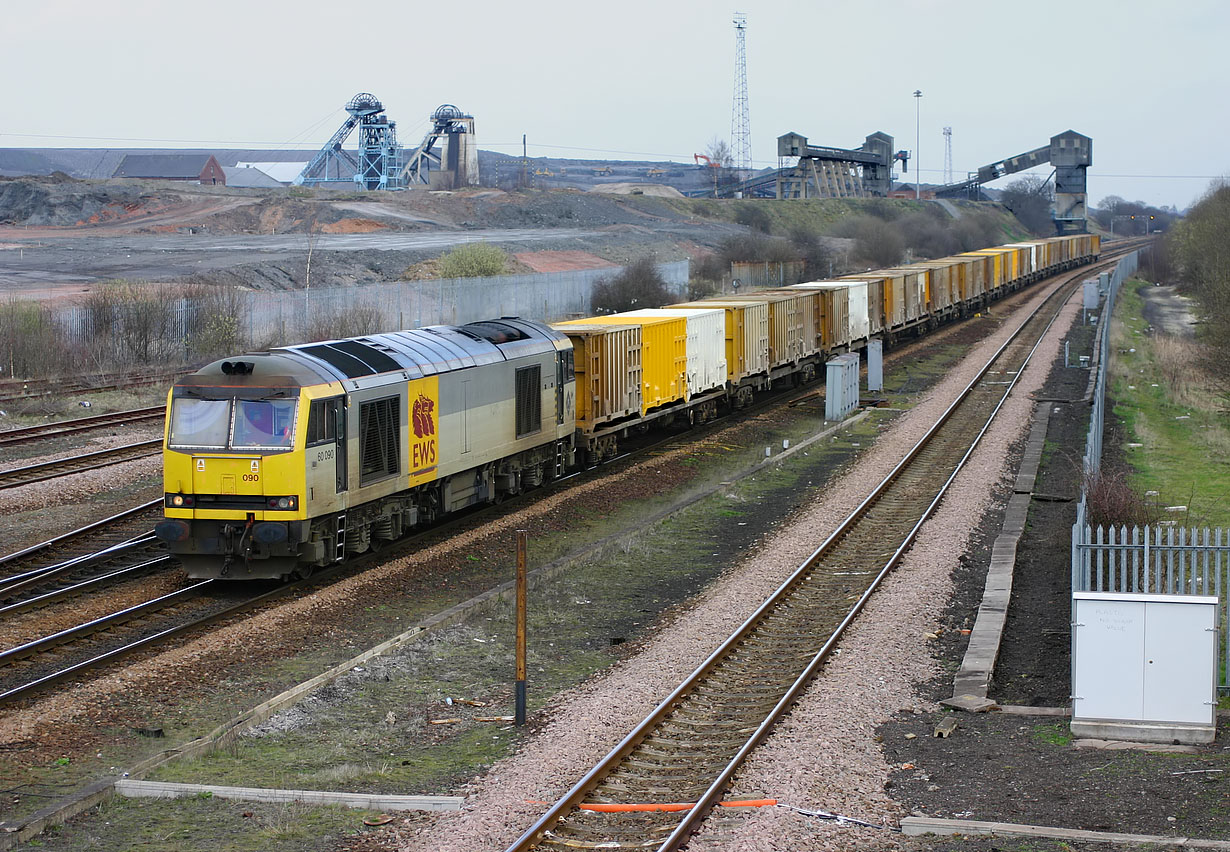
522 537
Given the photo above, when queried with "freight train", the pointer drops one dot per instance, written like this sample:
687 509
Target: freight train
280 462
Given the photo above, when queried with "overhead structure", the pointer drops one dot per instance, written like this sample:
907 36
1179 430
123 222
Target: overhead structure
740 116
455 163
1071 154
835 172
377 164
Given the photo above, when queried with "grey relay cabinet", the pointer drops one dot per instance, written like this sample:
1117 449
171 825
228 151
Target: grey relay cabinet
1144 667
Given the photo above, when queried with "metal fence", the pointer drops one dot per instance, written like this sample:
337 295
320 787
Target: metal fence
278 317
761 275
1160 560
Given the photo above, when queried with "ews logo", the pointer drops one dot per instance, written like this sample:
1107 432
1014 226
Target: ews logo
423 449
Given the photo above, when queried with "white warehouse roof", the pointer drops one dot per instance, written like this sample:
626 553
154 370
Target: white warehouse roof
281 172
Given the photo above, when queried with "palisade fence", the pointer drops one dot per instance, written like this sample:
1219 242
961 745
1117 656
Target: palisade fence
1159 560
764 274
272 318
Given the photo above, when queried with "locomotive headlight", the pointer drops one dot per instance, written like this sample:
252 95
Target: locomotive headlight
177 500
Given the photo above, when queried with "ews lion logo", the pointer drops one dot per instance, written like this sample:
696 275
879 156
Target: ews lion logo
423 450
423 419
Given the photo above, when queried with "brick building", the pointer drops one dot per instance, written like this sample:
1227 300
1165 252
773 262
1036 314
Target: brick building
192 168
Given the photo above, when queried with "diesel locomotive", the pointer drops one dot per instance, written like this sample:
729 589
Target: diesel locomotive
283 461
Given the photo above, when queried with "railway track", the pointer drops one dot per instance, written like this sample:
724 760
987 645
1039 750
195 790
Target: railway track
54 583
15 390
91 644
656 786
16 476
27 434
81 543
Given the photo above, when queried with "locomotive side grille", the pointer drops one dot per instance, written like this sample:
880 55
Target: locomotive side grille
529 400
378 439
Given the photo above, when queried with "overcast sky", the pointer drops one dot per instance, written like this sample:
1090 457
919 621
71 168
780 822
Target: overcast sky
641 79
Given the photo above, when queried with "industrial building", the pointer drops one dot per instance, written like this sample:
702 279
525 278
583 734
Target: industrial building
190 168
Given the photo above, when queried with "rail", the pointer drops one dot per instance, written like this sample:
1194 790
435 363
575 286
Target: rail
25 434
14 477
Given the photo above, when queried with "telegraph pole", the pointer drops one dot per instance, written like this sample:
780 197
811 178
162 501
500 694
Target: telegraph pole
917 162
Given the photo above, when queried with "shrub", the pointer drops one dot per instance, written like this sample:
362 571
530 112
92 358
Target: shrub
126 324
473 260
927 237
32 344
876 242
710 267
354 321
974 232
216 319
638 286
753 216
817 259
756 247
703 288
1113 502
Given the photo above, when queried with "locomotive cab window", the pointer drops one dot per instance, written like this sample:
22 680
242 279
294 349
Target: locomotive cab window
322 421
264 424
232 424
200 423
529 400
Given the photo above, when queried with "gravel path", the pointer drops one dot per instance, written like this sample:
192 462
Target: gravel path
824 756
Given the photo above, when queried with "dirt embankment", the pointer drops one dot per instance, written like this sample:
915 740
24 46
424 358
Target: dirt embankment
161 207
53 202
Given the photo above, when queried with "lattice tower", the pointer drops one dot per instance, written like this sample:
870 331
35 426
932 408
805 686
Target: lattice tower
740 118
947 155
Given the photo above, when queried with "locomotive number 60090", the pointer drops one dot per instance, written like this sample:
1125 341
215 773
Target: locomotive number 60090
251 477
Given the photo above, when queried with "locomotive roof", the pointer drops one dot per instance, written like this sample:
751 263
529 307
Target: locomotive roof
416 352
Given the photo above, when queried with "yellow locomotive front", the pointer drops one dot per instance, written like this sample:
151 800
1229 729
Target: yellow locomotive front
234 472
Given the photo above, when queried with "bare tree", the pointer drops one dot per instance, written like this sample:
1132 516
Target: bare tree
1030 199
718 151
638 286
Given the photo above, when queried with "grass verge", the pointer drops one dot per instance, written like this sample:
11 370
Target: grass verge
1176 434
